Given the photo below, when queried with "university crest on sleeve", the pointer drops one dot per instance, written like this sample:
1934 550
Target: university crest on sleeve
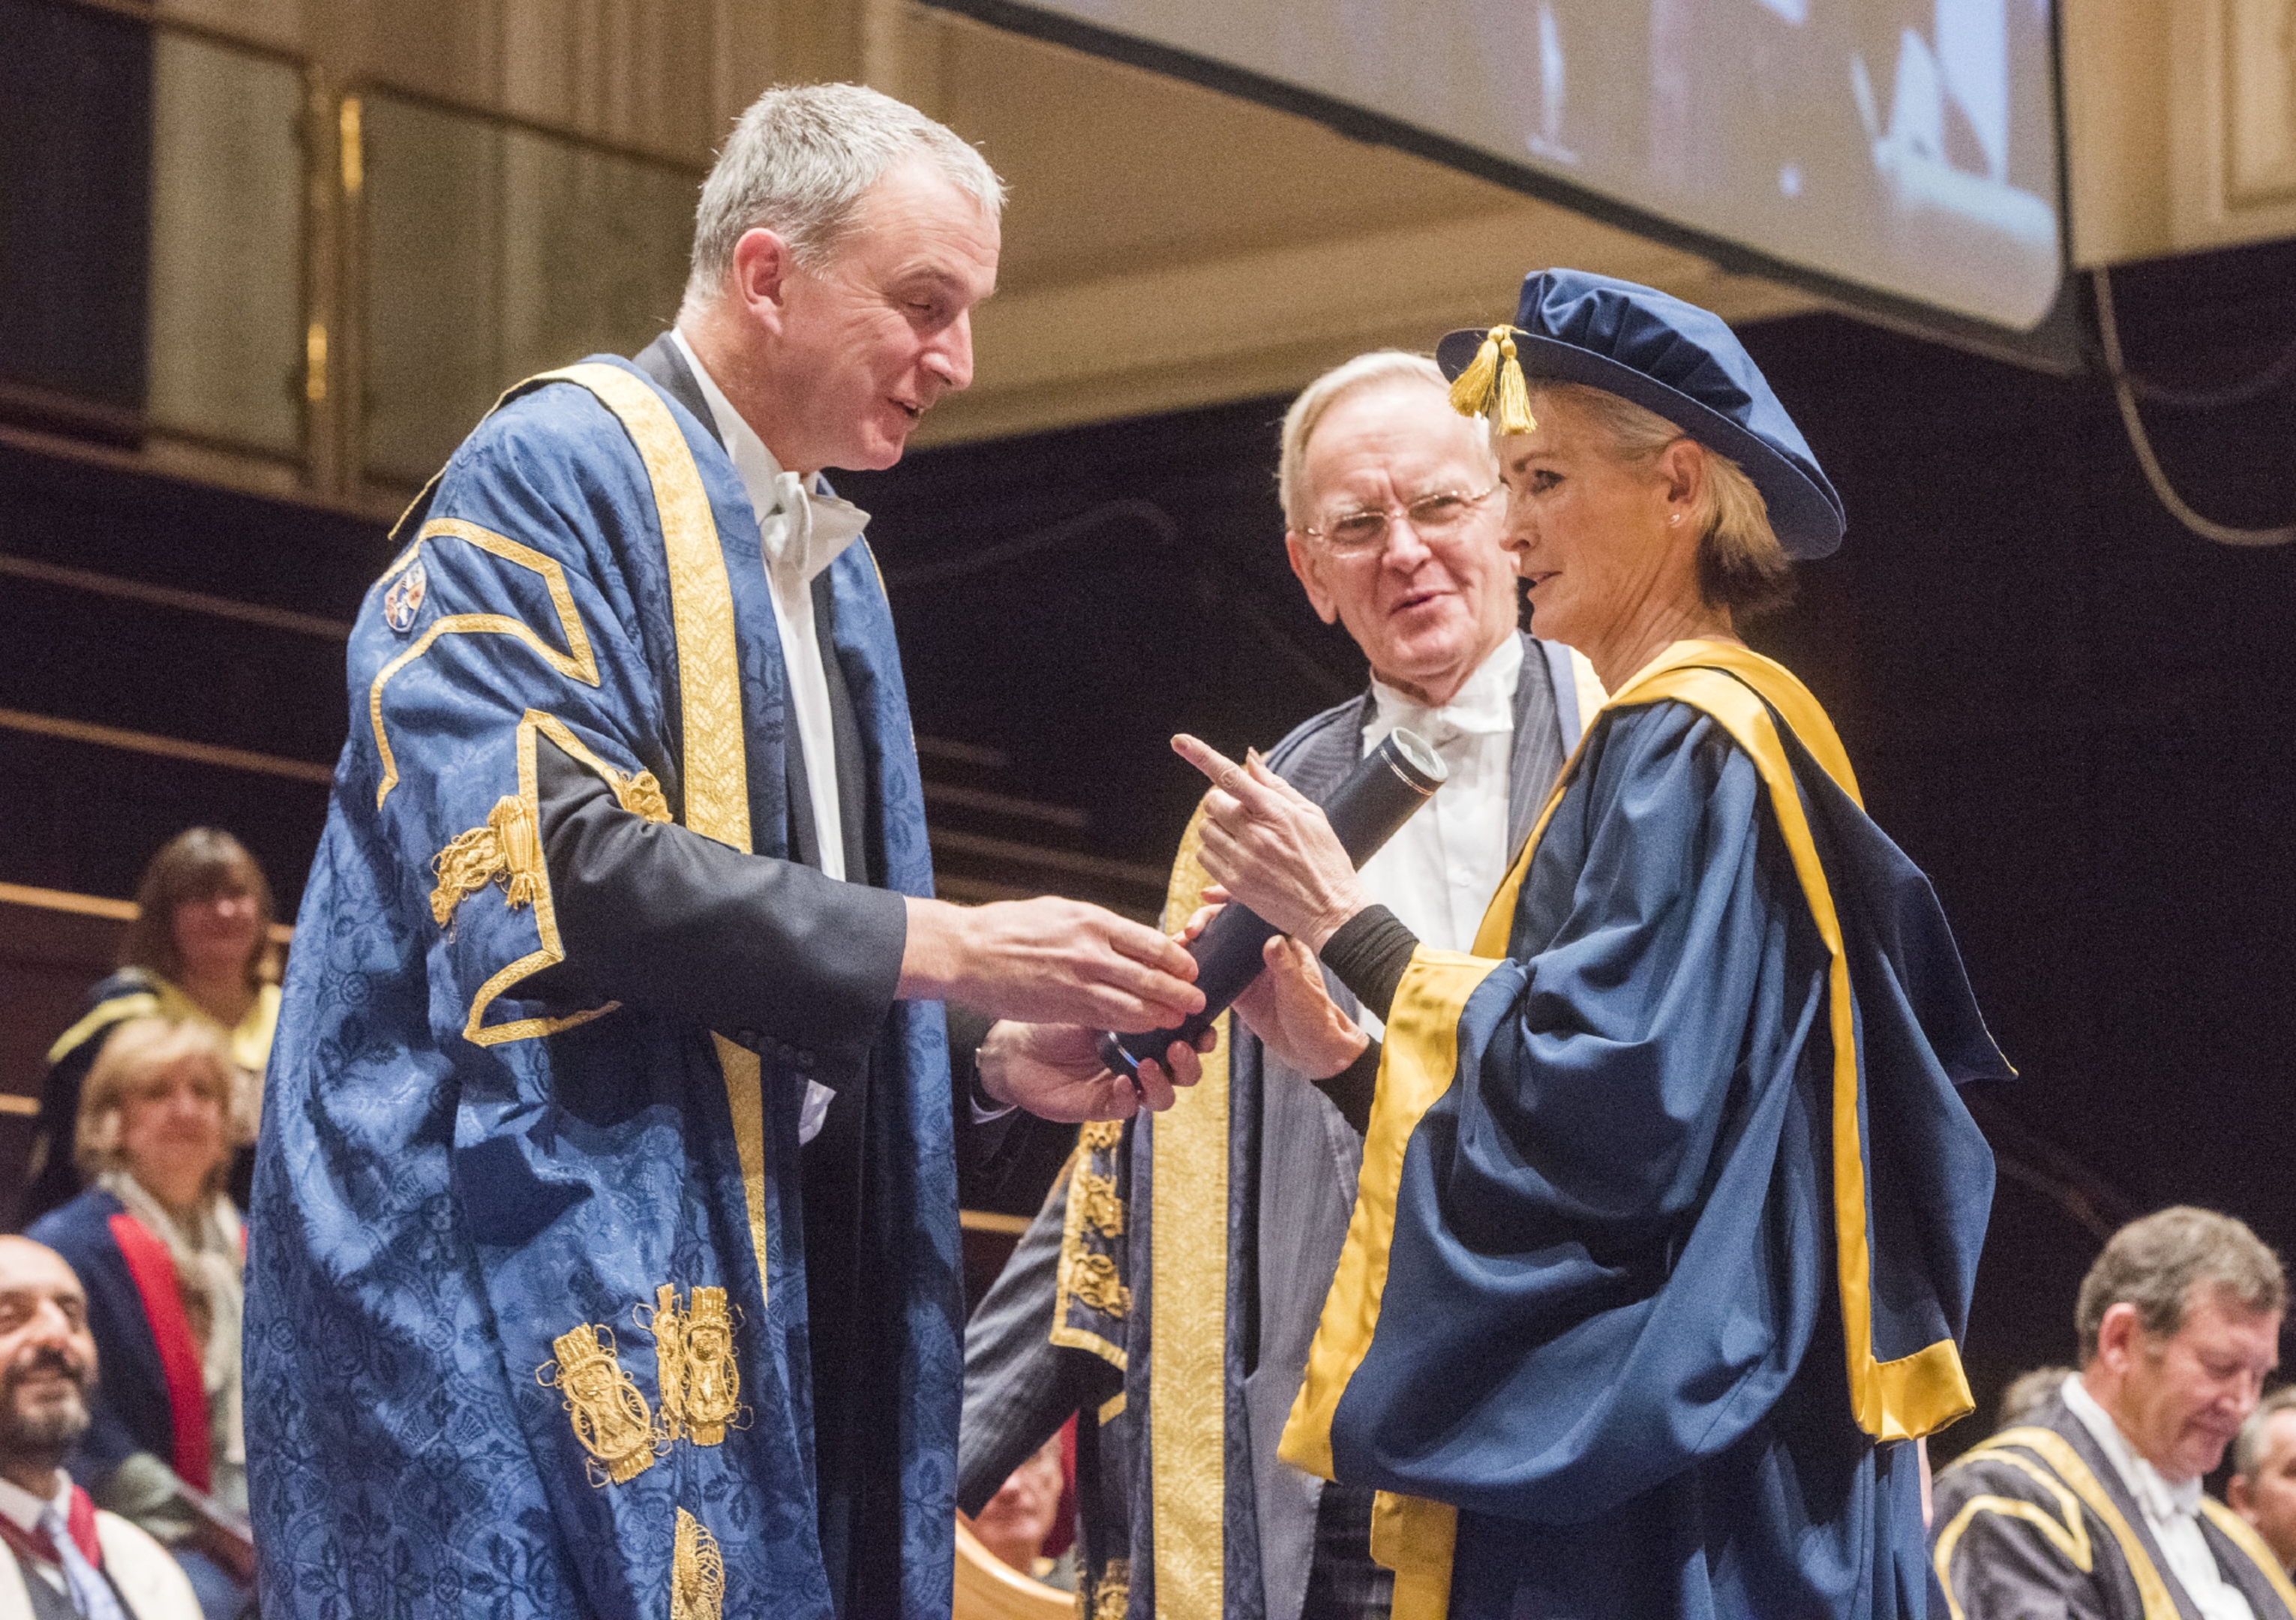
404 600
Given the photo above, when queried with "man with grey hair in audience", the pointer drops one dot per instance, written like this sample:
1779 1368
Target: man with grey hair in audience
1169 1290
604 1251
2262 1489
2091 1506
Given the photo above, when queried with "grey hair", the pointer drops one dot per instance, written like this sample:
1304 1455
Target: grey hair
1741 564
1380 365
799 162
2248 1446
2159 1263
2027 1392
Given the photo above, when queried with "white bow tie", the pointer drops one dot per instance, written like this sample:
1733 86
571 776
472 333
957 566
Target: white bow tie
805 532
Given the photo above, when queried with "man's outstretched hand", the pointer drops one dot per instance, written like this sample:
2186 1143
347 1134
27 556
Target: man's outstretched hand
1048 961
1055 1071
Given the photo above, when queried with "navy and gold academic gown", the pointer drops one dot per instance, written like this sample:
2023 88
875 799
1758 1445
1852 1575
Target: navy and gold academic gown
1668 1212
536 1316
2036 1521
1178 1338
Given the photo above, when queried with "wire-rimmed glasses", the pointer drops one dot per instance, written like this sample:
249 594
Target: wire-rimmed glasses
1432 516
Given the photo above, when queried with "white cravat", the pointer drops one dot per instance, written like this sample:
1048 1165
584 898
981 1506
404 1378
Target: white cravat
803 533
2172 1512
1437 874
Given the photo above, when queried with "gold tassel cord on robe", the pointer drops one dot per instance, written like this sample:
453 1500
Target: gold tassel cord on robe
700 1380
507 850
697 1571
1493 385
609 1413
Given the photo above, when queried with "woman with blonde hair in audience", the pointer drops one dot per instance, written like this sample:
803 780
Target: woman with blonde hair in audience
158 1248
199 948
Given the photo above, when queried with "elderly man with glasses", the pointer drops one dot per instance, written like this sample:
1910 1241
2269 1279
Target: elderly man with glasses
1219 1225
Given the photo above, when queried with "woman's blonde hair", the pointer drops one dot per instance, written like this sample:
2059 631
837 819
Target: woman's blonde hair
1740 565
1381 366
136 1052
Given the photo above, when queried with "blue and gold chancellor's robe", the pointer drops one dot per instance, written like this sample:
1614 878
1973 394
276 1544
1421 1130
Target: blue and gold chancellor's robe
1668 1212
527 1326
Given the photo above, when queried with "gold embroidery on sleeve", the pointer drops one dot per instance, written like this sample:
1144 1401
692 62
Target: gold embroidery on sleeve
697 1571
577 663
641 795
506 850
611 1417
693 1357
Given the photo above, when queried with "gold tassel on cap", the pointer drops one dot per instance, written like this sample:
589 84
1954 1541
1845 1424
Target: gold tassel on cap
1495 378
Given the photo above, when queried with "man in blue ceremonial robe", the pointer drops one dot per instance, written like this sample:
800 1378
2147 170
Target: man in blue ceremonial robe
605 1252
1669 1211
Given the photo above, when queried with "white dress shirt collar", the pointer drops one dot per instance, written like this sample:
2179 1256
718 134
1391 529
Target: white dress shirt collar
2153 1493
1484 704
1438 873
804 532
24 1509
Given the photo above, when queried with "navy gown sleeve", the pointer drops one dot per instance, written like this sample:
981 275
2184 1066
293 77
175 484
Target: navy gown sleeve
1606 1259
762 948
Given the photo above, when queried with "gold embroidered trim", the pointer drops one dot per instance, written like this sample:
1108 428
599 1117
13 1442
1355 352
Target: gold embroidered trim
693 1359
1187 1272
715 768
1112 1409
610 1415
697 1571
1087 1274
1111 1595
1103 1211
577 663
550 949
1093 1278
640 794
507 850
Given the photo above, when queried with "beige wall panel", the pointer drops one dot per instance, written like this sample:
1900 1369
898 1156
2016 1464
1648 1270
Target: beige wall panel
279 23
2116 82
622 70
1188 334
2180 120
2232 111
1112 168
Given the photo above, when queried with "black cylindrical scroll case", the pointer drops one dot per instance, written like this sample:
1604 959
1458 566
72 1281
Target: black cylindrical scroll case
1378 796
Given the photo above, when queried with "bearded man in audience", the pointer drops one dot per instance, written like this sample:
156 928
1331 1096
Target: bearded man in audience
65 1558
1169 1290
2092 1507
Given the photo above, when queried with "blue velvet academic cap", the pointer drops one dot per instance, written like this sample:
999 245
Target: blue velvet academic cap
1683 363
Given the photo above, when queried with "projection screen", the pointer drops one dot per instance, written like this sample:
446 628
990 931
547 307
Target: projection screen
1907 149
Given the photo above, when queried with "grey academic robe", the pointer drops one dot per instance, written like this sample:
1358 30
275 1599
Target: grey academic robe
1067 1328
2035 1521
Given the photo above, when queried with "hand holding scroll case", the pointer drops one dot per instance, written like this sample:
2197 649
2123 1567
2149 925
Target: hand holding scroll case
1277 854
